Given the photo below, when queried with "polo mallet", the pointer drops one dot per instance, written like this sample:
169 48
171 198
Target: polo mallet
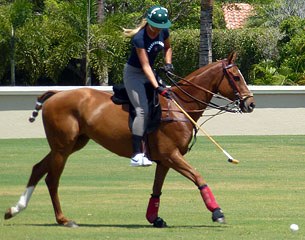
230 158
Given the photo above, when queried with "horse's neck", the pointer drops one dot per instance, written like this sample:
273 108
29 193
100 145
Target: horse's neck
207 78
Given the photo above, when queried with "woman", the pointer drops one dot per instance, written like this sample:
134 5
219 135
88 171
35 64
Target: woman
148 39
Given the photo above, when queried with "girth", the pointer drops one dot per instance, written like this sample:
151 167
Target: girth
168 118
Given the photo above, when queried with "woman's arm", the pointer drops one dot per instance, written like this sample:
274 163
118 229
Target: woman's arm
168 52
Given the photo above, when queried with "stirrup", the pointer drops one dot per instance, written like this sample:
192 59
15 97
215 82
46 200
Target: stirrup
140 160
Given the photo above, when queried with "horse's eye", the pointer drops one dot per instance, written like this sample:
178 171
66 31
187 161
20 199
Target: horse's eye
236 78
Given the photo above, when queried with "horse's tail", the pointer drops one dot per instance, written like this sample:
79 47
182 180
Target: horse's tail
40 100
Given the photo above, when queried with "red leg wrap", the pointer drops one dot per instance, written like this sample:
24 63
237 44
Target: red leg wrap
152 209
208 198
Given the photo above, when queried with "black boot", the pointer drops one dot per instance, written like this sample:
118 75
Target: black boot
136 144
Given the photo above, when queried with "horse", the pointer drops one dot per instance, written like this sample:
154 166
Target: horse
72 117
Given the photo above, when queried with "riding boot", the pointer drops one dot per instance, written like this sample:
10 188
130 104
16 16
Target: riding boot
138 158
137 144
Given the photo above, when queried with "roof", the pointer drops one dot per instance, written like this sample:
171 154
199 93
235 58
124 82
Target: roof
236 14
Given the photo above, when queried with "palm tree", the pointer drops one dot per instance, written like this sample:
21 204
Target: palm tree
206 16
20 11
100 18
100 11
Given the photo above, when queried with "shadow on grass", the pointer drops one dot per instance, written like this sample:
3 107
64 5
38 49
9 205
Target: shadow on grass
133 226
127 226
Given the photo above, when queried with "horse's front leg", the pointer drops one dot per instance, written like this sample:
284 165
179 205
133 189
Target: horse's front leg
154 201
180 165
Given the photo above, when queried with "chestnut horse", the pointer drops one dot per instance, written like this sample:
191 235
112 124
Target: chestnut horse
73 117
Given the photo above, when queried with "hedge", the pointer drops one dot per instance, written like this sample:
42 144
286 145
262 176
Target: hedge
252 46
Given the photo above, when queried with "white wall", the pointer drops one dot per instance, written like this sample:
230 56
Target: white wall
280 111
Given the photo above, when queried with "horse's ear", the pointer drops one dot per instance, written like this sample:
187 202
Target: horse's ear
232 57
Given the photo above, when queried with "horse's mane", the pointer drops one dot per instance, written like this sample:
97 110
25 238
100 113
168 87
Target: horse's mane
201 70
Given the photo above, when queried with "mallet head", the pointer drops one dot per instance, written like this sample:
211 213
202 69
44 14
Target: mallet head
234 161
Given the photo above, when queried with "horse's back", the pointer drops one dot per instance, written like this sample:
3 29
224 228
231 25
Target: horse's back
77 95
68 102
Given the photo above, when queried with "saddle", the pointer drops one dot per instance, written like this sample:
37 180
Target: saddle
120 97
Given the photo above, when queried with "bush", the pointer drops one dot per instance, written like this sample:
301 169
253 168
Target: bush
289 67
266 73
252 46
185 44
292 48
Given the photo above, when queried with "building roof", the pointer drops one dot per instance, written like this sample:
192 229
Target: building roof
236 14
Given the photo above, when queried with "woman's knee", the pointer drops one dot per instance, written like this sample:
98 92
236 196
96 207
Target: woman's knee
142 112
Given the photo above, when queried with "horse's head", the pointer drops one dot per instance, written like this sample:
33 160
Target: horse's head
234 86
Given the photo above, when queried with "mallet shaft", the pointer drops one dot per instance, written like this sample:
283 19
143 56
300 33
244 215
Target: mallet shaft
230 158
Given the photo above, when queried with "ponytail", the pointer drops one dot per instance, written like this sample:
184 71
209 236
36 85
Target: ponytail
131 32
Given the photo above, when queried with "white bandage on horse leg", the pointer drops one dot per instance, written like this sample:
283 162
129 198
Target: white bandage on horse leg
23 201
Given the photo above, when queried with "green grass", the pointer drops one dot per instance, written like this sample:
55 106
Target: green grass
261 196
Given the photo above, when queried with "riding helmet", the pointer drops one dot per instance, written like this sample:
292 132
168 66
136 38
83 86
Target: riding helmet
157 17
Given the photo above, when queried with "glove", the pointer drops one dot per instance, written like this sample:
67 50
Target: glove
165 92
168 67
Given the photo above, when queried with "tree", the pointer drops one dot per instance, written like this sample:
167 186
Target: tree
100 11
5 49
20 11
206 22
88 40
272 14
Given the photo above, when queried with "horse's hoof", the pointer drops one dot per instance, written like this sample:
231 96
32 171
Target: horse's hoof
8 214
160 223
71 224
218 216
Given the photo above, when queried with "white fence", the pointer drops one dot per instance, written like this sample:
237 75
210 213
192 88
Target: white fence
280 111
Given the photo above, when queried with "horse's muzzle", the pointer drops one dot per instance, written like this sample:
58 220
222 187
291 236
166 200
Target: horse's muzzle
247 105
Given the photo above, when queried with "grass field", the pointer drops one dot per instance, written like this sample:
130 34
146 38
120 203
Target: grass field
260 197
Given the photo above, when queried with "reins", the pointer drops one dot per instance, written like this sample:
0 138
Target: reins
231 107
226 108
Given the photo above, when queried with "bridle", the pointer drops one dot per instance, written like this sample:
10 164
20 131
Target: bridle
232 81
231 106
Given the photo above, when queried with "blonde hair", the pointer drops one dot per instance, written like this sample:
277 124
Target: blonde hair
131 32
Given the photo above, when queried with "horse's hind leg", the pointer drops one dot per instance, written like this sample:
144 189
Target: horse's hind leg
38 171
55 170
49 164
52 180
